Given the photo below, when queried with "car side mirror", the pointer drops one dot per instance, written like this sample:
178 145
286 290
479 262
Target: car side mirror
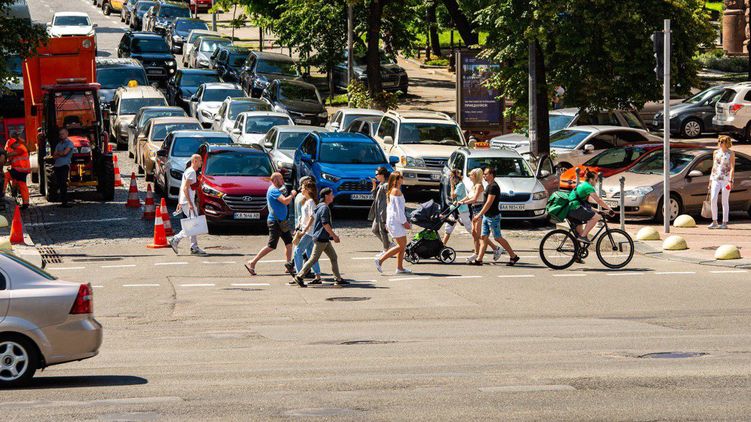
588 148
695 173
237 132
388 140
306 158
393 160
94 25
268 145
161 153
544 174
194 99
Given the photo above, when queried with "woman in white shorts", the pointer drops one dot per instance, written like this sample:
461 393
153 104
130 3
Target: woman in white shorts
396 223
458 192
476 199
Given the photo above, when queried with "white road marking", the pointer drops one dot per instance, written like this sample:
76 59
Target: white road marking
141 285
408 278
526 388
277 261
624 273
569 275
118 266
54 223
89 403
64 268
249 284
218 262
463 276
517 276
97 287
171 263
728 271
198 285
673 272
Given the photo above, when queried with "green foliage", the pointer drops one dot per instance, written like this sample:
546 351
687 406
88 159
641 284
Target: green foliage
338 100
717 60
714 5
438 62
18 37
361 98
444 38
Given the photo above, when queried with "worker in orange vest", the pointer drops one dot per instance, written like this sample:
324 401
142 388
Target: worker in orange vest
20 166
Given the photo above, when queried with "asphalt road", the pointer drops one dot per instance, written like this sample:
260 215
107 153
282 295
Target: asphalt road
189 338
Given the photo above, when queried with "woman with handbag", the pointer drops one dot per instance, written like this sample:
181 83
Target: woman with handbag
721 180
396 223
305 223
187 204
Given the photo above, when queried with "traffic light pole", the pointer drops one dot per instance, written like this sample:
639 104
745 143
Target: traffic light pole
666 126
533 98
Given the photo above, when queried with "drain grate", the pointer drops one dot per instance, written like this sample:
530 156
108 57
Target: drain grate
347 299
49 255
358 342
673 355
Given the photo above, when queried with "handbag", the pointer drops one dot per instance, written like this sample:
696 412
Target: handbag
706 207
194 226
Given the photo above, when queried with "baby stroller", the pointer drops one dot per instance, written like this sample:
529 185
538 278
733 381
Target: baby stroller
427 244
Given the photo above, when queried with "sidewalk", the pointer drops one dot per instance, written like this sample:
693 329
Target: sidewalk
28 251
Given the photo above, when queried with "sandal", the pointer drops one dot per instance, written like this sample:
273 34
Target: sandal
250 269
476 262
513 261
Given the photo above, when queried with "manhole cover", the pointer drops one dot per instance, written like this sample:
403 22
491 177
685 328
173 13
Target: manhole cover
356 342
49 255
347 299
673 355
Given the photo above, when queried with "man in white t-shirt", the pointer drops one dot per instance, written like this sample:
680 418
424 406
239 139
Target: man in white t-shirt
187 201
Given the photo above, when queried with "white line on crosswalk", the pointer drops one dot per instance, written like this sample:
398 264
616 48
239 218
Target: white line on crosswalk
463 276
623 273
569 275
171 263
674 272
728 271
64 268
97 287
408 278
140 285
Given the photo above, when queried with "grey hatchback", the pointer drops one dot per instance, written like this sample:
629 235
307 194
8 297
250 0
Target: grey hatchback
43 321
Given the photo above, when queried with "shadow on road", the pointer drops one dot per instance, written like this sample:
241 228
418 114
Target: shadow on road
85 381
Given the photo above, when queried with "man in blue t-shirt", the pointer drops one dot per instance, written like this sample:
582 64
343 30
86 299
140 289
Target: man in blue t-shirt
277 223
63 154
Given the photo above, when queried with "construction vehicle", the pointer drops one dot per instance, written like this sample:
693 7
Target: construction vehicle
60 92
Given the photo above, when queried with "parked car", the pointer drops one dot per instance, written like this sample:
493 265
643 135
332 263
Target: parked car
733 111
689 177
153 53
282 141
142 118
197 6
185 83
66 24
343 117
45 321
423 143
299 99
178 30
366 125
393 76
112 73
109 6
127 11
174 154
344 162
150 140
135 21
163 13
225 117
209 97
261 68
188 44
233 185
609 162
251 126
125 105
694 115
523 192
203 47
228 60
568 117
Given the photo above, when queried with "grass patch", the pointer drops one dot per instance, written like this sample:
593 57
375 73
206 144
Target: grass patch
714 5
438 62
337 100
717 60
444 38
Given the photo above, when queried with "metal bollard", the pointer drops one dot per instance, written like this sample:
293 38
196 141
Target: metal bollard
622 207
577 175
599 187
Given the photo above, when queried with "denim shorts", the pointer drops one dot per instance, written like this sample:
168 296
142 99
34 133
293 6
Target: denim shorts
491 224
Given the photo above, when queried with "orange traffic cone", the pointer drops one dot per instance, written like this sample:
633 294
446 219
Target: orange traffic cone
118 179
133 201
16 228
165 218
148 204
160 238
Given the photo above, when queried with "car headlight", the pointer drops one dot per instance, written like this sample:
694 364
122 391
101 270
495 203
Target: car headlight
170 63
539 195
329 177
207 114
640 191
408 161
204 62
323 115
176 174
212 192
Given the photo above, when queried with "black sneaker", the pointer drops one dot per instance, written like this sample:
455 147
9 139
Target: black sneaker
341 282
315 281
290 267
300 283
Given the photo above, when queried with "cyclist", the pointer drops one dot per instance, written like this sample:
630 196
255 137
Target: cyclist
580 211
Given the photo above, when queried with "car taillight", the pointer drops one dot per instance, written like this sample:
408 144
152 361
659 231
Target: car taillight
84 303
735 107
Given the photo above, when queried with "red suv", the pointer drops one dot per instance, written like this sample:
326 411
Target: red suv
233 184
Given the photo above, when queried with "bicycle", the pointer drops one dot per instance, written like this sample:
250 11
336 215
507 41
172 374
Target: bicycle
560 248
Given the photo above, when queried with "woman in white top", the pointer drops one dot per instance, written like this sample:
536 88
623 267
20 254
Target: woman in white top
305 222
721 180
396 224
476 199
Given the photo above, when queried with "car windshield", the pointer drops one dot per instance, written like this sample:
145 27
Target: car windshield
237 59
614 158
349 118
294 92
150 45
185 26
698 98
237 107
153 114
362 60
113 78
263 124
195 79
143 7
559 121
208 46
187 146
567 139
504 166
132 105
430 133
277 67
159 132
238 163
290 140
653 164
29 266
174 12
72 21
351 153
221 94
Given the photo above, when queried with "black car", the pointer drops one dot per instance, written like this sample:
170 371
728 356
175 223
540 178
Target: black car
177 32
127 10
261 68
164 13
139 10
393 77
228 60
113 73
299 99
185 83
693 116
153 53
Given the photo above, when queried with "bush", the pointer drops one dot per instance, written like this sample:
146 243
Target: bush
717 60
361 98
438 62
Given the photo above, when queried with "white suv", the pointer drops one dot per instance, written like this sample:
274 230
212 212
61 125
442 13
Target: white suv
423 141
733 111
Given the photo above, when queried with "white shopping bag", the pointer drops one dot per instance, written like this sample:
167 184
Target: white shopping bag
195 225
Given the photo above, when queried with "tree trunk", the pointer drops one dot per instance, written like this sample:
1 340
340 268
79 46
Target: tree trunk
543 125
433 40
463 25
234 12
330 76
373 58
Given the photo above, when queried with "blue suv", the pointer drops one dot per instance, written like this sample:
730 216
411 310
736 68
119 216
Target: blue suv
344 162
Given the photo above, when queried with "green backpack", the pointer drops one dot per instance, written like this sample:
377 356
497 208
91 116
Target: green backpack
558 206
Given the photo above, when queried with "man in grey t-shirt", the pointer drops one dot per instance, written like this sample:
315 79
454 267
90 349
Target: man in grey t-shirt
63 154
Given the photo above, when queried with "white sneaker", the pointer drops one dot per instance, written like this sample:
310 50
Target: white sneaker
404 271
378 265
197 251
472 258
724 225
713 225
497 254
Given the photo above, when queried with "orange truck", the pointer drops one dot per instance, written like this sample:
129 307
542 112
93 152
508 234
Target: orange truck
60 92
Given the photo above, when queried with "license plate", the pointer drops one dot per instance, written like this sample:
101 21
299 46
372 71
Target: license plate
613 204
435 177
247 215
361 197
303 121
510 207
389 84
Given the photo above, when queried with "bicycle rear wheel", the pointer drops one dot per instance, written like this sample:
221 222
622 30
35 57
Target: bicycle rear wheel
559 249
615 248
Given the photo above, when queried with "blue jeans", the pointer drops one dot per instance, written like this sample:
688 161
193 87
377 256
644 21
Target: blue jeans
491 224
306 246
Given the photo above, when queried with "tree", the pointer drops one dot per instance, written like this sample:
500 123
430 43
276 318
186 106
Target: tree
463 24
18 37
237 21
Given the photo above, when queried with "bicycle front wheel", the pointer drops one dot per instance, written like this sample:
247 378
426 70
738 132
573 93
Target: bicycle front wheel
615 248
559 249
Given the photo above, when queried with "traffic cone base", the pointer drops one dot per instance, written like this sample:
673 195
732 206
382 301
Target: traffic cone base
160 238
148 205
166 218
133 200
16 228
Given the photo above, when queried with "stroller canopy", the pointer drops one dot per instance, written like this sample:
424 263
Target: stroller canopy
427 215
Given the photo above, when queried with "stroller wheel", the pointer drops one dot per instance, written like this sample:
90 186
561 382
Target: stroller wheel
447 255
412 258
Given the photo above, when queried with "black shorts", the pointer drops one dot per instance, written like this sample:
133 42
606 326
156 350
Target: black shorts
18 175
475 209
276 231
581 214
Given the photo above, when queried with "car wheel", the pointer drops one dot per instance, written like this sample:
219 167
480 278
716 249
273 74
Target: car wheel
19 360
676 208
691 128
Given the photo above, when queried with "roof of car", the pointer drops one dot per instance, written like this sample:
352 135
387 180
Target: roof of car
235 49
296 82
366 119
245 100
141 91
262 113
198 71
603 128
236 147
213 38
342 137
200 133
145 34
489 152
161 108
173 3
419 115
364 111
117 62
299 128
568 111
221 85
188 19
204 32
174 119
273 56
71 14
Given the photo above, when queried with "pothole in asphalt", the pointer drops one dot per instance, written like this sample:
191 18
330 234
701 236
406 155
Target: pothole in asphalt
132 416
347 298
672 355
358 342
324 411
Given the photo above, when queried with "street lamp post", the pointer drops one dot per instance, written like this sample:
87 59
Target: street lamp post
350 42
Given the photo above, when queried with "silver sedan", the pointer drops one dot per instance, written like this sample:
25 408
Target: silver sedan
43 321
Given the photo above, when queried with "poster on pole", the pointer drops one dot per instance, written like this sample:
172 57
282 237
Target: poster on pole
477 106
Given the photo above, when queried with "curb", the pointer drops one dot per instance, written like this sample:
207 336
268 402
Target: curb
647 250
